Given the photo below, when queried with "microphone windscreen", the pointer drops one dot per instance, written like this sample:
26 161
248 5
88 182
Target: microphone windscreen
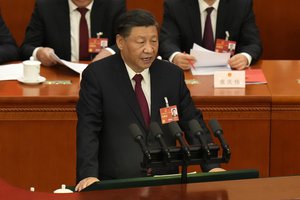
195 126
215 126
174 128
155 129
135 130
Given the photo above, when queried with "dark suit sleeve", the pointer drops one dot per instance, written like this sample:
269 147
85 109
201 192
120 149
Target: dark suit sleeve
103 18
169 37
8 47
249 40
180 27
34 35
188 111
89 125
120 9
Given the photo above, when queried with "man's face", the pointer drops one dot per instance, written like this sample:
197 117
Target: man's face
82 3
140 48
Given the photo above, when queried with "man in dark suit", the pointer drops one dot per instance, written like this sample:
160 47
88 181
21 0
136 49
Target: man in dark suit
183 25
108 104
54 27
8 47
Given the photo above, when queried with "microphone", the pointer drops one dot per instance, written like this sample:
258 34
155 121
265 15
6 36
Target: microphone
218 132
138 136
177 132
158 134
198 132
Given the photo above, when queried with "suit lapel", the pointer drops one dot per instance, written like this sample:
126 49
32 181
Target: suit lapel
126 90
97 13
156 97
194 18
63 22
223 12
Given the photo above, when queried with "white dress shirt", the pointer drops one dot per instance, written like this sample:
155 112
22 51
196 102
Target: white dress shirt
146 83
74 27
213 16
74 23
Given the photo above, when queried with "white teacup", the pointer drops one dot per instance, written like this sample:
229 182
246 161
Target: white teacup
31 70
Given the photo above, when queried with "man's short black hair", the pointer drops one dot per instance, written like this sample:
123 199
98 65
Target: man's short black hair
134 18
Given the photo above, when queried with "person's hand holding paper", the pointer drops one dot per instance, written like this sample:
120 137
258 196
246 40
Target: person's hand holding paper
184 61
45 55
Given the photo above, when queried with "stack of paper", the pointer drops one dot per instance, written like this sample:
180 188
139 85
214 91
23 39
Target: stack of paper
209 62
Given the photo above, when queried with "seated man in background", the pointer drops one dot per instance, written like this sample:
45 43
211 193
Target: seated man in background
9 50
129 87
184 24
63 27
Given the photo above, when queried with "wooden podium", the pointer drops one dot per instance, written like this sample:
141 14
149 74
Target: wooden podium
172 179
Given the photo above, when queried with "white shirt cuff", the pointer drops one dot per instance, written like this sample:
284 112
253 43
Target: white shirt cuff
249 58
35 52
173 55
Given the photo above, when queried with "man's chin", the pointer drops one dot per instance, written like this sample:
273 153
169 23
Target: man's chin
146 65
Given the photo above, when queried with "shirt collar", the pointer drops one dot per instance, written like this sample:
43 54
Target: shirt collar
145 73
73 7
203 5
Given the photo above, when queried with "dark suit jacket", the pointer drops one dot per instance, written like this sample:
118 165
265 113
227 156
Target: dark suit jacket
182 26
50 25
8 47
108 105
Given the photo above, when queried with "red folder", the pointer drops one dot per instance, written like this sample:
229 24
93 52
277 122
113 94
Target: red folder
255 76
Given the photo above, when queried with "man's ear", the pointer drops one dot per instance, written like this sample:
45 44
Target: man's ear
120 41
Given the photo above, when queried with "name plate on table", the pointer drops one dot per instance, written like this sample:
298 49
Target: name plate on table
229 79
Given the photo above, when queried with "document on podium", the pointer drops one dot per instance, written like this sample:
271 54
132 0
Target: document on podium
209 61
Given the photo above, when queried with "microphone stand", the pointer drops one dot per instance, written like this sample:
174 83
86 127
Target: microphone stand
179 156
184 172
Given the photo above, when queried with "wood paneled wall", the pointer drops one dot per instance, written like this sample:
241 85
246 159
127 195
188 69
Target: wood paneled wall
279 22
16 14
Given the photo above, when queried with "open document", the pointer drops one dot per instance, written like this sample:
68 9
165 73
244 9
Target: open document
77 67
209 61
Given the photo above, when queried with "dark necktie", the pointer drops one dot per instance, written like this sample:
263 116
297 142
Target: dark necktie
83 35
141 98
208 36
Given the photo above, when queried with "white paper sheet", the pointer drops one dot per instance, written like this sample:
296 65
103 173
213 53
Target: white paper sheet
77 67
209 61
15 71
11 71
209 70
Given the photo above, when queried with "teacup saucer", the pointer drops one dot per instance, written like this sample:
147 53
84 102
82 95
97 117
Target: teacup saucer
41 79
